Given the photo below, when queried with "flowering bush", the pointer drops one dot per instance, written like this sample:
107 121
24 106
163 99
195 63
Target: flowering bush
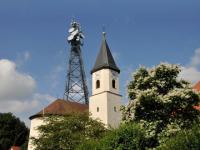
161 103
184 140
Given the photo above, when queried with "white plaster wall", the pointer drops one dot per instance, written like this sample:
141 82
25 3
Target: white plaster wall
35 123
106 102
111 89
105 77
114 118
106 98
100 101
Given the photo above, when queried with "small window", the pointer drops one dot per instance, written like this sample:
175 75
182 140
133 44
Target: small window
97 109
97 84
113 84
115 109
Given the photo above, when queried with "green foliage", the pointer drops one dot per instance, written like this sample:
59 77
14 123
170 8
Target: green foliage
25 145
160 103
89 145
12 131
184 140
159 116
127 136
67 132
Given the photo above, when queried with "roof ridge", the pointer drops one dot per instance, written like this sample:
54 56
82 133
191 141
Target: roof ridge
107 48
60 107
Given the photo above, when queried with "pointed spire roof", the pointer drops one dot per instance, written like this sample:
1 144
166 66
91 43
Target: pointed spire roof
105 59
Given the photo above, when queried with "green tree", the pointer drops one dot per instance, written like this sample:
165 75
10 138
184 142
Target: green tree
12 131
127 136
67 132
161 103
185 140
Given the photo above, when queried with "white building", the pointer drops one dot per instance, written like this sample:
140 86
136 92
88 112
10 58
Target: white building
105 102
58 107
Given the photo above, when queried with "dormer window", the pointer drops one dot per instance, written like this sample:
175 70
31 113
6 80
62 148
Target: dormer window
97 84
113 84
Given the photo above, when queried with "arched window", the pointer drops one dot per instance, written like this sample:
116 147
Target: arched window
113 84
97 84
115 109
97 109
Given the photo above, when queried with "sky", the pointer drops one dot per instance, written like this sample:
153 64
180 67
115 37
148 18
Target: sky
34 51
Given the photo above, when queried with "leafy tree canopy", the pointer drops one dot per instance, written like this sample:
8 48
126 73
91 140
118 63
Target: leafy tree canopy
12 131
67 132
184 140
127 136
160 102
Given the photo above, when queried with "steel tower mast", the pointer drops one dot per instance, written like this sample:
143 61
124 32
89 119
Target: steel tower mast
76 88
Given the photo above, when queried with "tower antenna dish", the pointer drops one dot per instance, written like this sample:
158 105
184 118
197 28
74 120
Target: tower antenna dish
76 88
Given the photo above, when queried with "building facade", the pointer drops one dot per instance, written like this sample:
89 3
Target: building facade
105 101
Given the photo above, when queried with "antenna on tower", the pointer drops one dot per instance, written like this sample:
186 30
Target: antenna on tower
76 88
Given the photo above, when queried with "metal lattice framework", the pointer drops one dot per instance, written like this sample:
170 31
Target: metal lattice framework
76 88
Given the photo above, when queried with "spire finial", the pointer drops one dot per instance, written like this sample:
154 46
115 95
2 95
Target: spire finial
104 35
104 32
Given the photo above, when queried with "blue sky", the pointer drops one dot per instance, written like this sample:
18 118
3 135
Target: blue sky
139 32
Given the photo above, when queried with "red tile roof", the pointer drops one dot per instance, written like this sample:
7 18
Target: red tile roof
61 107
197 107
15 148
197 87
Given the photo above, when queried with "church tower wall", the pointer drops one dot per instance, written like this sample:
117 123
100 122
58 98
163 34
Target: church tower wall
105 102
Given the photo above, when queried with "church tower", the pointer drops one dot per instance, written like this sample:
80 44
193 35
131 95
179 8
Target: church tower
105 101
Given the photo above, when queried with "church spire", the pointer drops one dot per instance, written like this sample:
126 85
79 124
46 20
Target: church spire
105 59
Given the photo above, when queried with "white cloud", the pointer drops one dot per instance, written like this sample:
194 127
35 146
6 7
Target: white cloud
43 97
27 55
22 58
17 91
25 108
191 72
37 100
13 84
195 60
54 75
17 106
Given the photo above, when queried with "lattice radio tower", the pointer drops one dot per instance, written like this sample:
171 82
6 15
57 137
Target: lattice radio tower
76 88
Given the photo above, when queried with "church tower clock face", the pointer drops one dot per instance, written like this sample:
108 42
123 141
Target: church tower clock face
114 74
97 75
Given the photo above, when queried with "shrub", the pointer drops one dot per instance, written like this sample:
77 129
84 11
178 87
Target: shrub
127 136
184 140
